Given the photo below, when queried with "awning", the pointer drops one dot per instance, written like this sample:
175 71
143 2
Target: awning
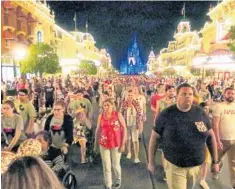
7 5
7 34
226 37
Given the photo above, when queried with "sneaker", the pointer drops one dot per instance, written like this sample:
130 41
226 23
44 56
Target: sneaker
204 185
128 156
117 184
84 161
216 175
137 160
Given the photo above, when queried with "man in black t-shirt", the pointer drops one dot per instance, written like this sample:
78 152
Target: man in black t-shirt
49 94
37 97
184 130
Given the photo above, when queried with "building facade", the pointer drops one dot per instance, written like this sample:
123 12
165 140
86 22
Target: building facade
180 52
29 22
215 53
204 50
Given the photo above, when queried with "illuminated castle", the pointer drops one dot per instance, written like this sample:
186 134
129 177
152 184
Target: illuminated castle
133 63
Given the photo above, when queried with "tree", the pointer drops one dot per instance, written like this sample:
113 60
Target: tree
88 67
195 71
41 59
232 39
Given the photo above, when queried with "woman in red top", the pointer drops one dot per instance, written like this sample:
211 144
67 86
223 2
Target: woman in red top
110 136
21 84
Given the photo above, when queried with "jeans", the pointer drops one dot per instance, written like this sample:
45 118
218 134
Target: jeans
110 156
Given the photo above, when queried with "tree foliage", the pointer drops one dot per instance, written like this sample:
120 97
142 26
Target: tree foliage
41 59
87 67
232 38
169 71
195 71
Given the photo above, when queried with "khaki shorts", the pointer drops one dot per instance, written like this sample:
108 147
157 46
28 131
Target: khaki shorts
132 133
181 177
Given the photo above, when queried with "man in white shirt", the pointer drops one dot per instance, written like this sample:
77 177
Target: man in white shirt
224 127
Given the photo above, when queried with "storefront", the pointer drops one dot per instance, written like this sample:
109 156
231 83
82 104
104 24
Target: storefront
9 68
221 61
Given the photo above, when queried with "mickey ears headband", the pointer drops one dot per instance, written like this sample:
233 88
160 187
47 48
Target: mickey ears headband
6 159
79 110
30 147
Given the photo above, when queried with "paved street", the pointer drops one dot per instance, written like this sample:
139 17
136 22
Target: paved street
135 175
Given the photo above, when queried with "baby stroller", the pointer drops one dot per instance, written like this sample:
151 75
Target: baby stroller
89 145
69 180
4 139
66 176
74 153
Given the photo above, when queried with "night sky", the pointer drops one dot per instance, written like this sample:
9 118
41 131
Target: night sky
112 24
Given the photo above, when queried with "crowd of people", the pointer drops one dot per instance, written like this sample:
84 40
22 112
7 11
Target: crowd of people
193 125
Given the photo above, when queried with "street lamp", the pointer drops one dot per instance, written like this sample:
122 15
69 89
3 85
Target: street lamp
19 54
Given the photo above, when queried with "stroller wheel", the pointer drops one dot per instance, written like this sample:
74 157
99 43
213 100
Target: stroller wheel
69 180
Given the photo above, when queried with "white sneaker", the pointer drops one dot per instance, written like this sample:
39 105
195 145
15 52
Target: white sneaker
128 156
204 185
137 160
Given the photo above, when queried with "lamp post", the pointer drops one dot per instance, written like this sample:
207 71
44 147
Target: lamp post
203 67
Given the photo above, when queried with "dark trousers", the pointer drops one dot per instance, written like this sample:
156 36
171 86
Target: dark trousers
49 103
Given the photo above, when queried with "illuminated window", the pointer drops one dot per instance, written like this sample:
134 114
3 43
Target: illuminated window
39 37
